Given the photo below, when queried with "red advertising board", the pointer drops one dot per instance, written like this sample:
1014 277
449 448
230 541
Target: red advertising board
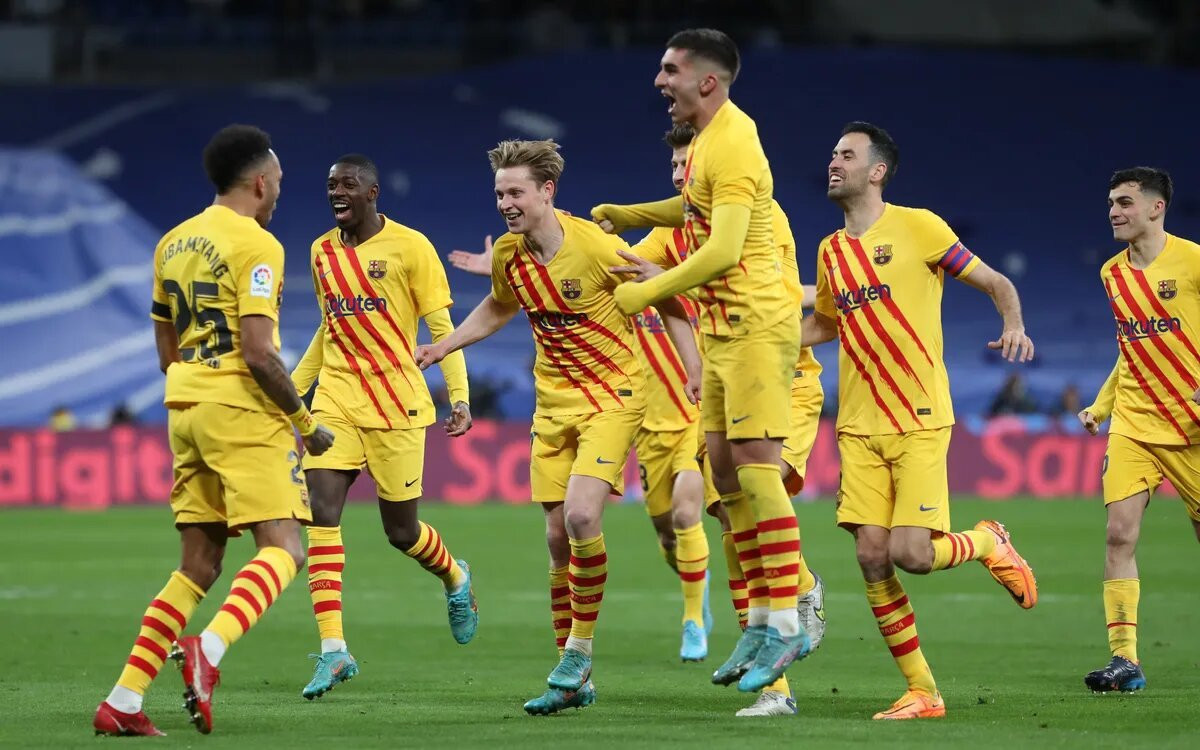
126 465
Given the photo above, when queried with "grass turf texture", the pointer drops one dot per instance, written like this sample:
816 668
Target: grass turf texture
74 586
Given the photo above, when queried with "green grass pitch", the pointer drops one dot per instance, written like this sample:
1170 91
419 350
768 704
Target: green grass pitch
73 588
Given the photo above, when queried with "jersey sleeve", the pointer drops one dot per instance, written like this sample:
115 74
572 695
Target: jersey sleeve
426 278
259 280
736 165
608 258
824 304
653 248
942 246
501 289
160 305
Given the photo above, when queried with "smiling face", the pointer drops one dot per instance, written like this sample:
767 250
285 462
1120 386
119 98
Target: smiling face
521 200
352 192
851 170
1132 212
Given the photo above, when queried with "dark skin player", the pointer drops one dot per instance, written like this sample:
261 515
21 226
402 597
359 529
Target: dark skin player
353 191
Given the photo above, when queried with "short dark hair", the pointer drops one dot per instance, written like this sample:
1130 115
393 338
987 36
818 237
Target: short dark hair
1149 180
679 136
231 152
883 148
364 164
712 45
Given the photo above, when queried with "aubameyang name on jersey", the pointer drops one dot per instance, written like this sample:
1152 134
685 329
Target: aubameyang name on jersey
1133 329
551 321
852 299
340 307
201 245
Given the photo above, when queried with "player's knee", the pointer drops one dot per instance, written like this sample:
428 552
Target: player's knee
685 516
582 522
912 561
401 536
1120 534
872 559
666 539
203 573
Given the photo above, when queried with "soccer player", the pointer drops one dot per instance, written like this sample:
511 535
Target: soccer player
1153 396
751 335
590 389
218 278
879 289
374 279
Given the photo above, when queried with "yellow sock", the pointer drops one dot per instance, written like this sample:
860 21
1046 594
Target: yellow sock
693 567
164 620
952 550
745 539
560 607
586 576
434 557
255 587
737 581
1120 611
671 555
778 533
779 686
898 626
326 560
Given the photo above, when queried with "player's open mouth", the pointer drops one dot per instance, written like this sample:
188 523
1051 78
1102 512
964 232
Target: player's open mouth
670 102
835 179
512 218
341 210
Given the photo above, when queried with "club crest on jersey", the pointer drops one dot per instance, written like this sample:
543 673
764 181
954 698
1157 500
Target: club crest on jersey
377 269
1167 289
883 255
571 288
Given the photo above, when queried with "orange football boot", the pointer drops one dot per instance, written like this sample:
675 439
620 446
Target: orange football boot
914 705
1008 568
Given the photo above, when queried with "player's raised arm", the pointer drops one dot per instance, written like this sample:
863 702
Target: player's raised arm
615 219
1014 344
479 264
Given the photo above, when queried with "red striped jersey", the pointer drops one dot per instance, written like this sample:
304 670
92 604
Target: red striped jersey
371 297
726 165
1157 316
667 407
209 272
585 359
885 291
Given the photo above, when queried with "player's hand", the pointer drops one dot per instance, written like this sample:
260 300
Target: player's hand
630 298
428 354
603 215
642 269
479 264
1196 396
320 441
459 421
1014 345
1089 422
692 389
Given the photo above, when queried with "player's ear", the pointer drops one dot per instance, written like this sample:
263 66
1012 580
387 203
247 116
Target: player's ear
373 192
550 187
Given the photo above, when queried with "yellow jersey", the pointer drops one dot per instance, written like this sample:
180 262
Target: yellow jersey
726 165
209 272
371 298
667 406
585 359
884 289
1157 315
807 365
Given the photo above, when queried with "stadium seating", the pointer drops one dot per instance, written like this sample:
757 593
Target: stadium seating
1018 163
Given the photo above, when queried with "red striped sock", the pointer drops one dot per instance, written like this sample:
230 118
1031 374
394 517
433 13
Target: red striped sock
434 557
954 549
254 589
898 626
560 607
326 562
164 620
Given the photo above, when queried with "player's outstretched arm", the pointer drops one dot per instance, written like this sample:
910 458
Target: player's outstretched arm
615 219
1101 409
722 251
817 329
489 316
479 264
679 328
269 371
454 370
1013 344
166 340
309 366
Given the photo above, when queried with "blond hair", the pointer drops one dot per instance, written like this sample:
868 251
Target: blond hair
541 157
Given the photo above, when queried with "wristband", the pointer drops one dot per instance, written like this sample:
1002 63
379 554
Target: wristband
304 421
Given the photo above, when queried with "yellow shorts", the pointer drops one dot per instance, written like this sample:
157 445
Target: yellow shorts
807 399
747 383
710 490
661 457
895 480
1131 466
234 466
395 458
590 445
